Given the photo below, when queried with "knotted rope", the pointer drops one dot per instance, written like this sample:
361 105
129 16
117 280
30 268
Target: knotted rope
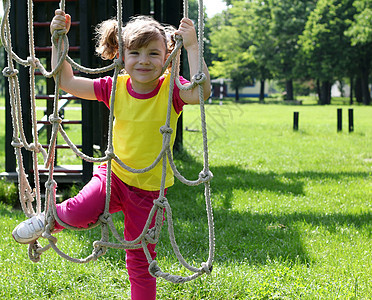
19 141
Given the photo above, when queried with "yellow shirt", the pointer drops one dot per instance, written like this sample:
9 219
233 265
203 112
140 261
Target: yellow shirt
136 135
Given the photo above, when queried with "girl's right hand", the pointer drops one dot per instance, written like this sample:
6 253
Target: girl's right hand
60 21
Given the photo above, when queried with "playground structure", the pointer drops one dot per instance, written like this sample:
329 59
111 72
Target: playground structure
85 15
20 143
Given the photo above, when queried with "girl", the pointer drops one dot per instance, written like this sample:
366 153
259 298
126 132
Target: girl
140 110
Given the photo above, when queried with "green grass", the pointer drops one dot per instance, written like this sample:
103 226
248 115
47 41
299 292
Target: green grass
292 211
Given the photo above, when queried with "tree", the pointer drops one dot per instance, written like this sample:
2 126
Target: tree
328 51
232 61
360 32
242 44
287 22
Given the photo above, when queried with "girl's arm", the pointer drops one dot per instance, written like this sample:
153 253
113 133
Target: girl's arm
78 86
190 42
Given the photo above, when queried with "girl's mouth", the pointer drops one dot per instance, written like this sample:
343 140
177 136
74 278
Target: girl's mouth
143 70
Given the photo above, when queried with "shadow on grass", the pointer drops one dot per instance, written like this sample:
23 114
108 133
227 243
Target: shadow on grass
248 235
240 236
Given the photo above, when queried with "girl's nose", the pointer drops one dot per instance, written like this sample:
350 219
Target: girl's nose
143 59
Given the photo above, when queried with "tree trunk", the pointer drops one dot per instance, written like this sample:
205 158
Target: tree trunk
358 90
262 91
289 89
325 93
365 89
318 89
351 90
237 94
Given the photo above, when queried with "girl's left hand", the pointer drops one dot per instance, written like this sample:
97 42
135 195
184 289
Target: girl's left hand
188 33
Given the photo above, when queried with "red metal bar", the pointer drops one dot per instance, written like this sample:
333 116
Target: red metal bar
49 49
47 24
62 146
63 122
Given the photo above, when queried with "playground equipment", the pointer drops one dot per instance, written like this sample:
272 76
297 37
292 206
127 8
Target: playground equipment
20 141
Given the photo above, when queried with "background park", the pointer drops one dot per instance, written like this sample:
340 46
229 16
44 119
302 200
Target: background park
292 206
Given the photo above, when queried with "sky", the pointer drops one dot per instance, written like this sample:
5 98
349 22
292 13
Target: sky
213 7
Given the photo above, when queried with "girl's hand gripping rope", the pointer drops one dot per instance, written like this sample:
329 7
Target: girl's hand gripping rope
190 43
187 31
61 21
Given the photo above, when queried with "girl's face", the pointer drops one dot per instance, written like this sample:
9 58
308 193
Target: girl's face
144 65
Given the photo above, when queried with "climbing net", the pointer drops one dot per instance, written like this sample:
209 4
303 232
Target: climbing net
28 195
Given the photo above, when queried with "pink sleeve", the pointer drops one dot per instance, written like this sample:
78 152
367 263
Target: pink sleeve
177 101
102 89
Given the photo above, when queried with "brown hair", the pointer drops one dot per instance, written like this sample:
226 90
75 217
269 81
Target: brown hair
137 33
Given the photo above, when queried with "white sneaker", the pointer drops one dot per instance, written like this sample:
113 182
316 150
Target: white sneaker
29 230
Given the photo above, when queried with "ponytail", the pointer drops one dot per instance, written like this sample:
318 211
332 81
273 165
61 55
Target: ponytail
107 39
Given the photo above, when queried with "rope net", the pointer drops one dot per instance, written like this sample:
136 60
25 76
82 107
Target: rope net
28 195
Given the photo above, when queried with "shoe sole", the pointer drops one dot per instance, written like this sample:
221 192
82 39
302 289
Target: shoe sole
24 243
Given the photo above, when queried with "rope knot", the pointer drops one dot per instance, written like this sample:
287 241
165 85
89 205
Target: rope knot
119 63
36 148
7 72
110 154
104 218
150 236
50 184
57 34
98 251
199 78
206 269
32 62
16 143
33 253
205 176
160 202
54 120
154 268
166 130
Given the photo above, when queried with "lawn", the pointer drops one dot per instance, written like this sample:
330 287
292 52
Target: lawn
292 211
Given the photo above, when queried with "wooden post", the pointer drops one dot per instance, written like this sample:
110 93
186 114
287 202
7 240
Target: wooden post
172 12
351 120
86 48
339 119
295 120
18 18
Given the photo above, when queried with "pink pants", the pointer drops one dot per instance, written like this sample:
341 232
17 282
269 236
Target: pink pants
88 205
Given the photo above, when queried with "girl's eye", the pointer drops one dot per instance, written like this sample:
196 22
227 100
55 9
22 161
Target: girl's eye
133 52
154 53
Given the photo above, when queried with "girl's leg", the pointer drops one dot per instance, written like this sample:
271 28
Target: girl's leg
137 209
80 211
86 207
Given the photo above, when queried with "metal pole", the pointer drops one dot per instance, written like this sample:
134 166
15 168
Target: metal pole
351 120
339 119
295 120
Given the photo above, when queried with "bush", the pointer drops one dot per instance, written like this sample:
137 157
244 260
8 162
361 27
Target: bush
8 193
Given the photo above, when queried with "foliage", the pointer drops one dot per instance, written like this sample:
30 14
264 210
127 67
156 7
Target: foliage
320 41
241 51
8 193
360 30
288 22
324 41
